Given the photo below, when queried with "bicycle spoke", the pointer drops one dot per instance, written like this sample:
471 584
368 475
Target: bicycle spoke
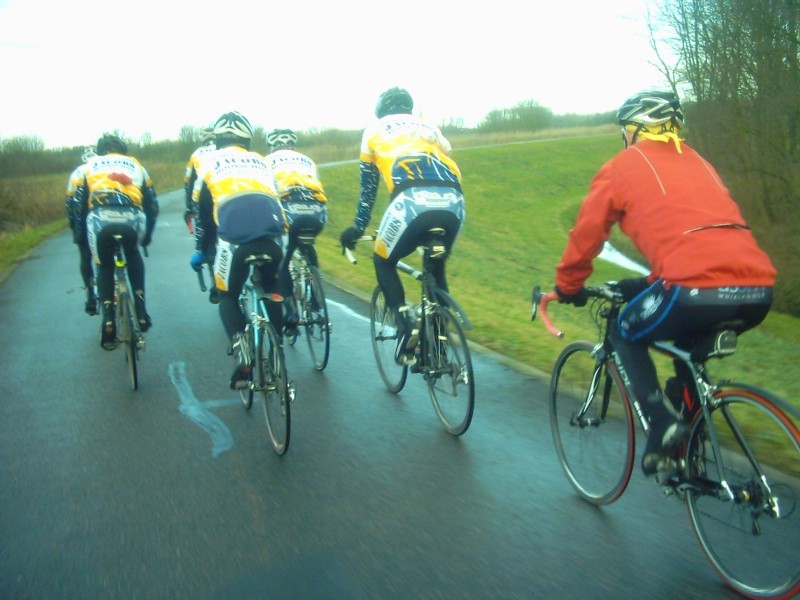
273 388
315 320
592 426
449 371
748 519
384 343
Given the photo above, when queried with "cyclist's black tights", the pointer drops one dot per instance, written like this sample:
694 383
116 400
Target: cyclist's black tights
105 254
306 224
86 265
232 318
681 315
386 268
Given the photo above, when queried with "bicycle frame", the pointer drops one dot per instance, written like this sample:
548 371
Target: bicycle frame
703 385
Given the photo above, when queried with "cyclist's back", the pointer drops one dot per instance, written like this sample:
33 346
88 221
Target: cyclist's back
79 235
706 267
116 198
239 215
193 168
424 182
304 202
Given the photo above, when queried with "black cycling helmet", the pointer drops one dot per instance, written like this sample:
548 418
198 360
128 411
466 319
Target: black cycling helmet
651 108
282 138
394 101
233 129
111 143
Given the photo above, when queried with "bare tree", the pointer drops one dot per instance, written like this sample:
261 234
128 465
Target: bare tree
739 62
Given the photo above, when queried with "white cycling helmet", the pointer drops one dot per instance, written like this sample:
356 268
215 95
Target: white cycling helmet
279 138
651 109
207 135
88 153
233 125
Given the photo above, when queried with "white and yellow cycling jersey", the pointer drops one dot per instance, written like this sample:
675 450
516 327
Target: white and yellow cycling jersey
293 169
112 176
236 188
192 170
75 178
193 166
407 148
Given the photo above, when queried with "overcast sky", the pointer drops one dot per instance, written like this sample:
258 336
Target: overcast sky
72 69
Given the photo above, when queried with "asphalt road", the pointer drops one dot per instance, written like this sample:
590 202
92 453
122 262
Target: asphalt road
172 491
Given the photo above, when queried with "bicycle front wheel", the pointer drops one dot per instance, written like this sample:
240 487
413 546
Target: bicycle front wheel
128 329
273 388
383 327
448 371
592 424
315 319
748 538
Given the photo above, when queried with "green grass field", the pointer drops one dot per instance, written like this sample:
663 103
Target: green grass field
522 198
521 201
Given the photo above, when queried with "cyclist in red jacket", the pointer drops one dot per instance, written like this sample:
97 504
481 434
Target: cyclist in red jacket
706 266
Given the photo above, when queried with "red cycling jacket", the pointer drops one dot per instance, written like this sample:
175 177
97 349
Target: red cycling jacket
677 212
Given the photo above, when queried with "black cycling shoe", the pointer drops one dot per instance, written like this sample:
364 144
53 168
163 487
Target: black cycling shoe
241 376
145 322
91 306
108 330
243 372
663 443
406 342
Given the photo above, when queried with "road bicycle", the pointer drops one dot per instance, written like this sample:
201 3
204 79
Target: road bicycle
442 355
129 334
309 301
738 472
264 351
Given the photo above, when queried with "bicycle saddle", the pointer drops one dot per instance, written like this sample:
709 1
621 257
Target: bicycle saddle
718 343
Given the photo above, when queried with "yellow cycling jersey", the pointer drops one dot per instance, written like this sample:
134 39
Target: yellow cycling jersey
193 166
115 173
231 172
408 148
75 179
293 169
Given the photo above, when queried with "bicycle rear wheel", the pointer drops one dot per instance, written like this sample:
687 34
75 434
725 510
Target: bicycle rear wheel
448 371
126 326
315 319
383 326
749 539
273 388
592 424
246 394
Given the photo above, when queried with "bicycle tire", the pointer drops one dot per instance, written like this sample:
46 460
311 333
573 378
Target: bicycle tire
383 329
246 395
296 274
597 451
315 319
273 387
747 543
245 305
448 371
125 318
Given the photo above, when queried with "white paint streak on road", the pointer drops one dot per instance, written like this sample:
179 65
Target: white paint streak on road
221 438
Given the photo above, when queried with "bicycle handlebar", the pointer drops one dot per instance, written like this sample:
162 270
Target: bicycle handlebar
540 300
349 253
607 291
